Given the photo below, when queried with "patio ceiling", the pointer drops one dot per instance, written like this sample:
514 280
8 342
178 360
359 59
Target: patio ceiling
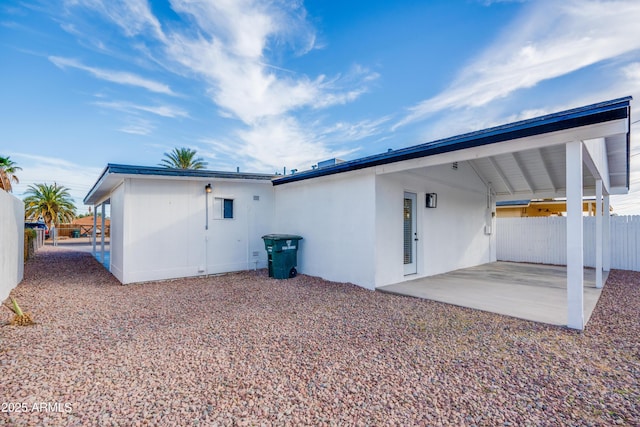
540 172
535 166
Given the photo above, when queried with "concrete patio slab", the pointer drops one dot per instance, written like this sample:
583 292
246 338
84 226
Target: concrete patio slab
85 244
526 291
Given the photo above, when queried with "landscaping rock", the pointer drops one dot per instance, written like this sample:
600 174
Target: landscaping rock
244 349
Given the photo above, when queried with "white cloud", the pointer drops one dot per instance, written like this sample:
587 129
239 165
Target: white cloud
242 26
120 77
346 131
274 143
132 16
247 89
137 126
632 72
491 2
160 110
278 142
551 39
39 169
230 55
229 46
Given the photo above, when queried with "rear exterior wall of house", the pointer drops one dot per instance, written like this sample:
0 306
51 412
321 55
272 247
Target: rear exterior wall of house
451 236
173 228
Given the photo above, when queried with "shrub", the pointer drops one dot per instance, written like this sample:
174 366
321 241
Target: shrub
30 237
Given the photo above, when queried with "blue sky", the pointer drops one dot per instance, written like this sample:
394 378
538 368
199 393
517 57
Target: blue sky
263 85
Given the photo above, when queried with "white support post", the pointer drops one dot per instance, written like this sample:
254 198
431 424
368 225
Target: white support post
606 236
575 260
599 283
102 235
93 233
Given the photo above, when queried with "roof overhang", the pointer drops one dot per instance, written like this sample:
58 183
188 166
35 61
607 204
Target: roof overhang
114 174
525 159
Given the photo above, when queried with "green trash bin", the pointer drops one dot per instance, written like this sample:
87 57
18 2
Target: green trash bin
282 254
75 234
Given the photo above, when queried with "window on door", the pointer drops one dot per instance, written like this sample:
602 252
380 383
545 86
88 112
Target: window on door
408 231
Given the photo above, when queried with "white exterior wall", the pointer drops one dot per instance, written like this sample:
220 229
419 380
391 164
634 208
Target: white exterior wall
164 236
451 236
236 244
335 215
116 242
11 243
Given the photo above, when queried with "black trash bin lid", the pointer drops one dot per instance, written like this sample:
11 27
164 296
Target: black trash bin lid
282 237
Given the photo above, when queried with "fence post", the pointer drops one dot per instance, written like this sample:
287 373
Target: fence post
599 283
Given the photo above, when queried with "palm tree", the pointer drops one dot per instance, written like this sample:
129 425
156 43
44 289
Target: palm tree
183 158
8 169
52 202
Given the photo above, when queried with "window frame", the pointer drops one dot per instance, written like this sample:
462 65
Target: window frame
223 208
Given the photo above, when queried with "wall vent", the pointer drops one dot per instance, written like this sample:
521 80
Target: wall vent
256 197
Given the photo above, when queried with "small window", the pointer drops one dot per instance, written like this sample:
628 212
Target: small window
227 208
222 208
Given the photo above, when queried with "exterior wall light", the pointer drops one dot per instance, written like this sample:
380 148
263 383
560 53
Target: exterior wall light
207 190
431 200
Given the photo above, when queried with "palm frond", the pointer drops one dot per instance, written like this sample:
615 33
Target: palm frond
52 202
8 168
182 158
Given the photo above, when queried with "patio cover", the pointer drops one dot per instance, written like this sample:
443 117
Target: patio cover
575 153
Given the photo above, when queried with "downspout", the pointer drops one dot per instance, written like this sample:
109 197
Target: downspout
207 190
490 221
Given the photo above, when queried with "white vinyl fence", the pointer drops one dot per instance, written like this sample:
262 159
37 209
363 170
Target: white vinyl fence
11 243
543 241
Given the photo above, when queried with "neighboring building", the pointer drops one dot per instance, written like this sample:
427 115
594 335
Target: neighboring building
83 226
382 219
537 208
88 221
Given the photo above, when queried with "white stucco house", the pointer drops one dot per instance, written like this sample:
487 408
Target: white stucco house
373 221
170 223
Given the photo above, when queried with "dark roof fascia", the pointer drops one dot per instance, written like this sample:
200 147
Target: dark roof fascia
189 173
510 203
113 169
583 116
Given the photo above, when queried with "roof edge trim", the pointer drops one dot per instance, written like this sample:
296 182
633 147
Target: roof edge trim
582 116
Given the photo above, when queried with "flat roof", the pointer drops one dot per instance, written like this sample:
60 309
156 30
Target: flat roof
151 171
615 109
510 203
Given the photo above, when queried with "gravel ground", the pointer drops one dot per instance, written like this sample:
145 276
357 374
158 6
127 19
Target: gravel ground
243 349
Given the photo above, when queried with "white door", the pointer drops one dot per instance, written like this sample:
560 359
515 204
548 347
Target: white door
410 235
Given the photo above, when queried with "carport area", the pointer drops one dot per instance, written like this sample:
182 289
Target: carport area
526 291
